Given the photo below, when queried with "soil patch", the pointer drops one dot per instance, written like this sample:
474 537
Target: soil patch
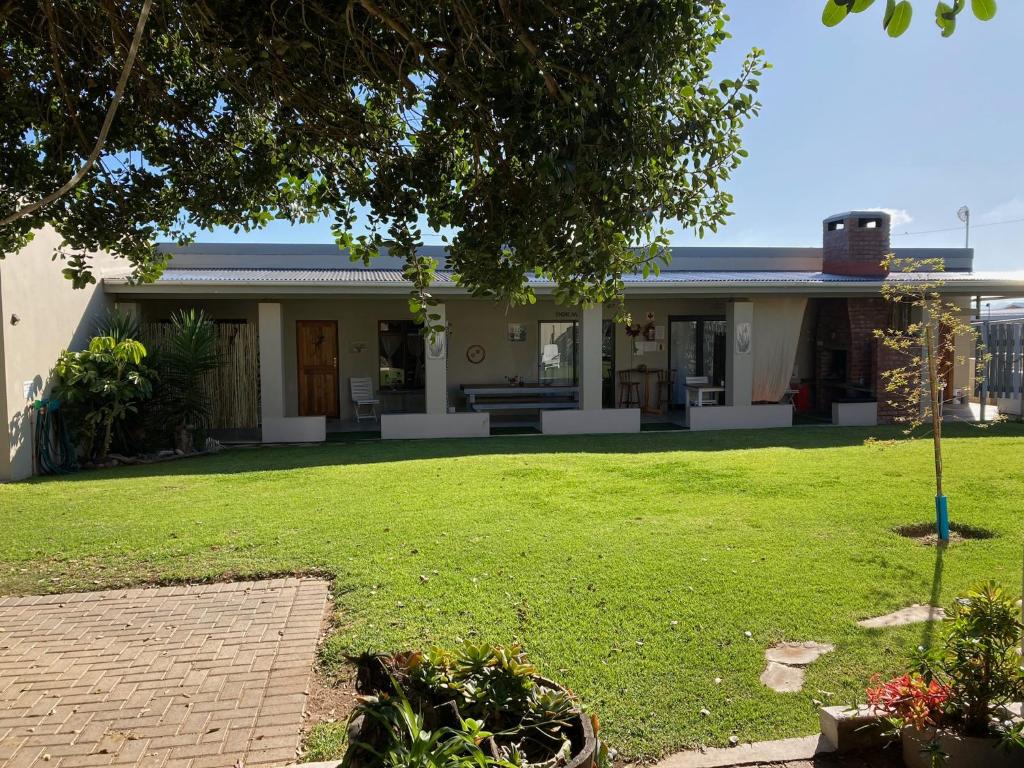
925 533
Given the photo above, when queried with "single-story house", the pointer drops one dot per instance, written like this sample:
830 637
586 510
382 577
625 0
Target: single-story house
722 338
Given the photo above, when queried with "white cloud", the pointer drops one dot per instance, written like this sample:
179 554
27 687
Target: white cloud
900 216
1008 210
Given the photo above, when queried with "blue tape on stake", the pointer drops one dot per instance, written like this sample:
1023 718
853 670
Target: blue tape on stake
942 517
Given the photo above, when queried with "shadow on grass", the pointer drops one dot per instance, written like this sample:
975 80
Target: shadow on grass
278 458
935 598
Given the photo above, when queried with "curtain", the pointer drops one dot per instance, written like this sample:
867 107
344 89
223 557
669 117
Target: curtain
777 324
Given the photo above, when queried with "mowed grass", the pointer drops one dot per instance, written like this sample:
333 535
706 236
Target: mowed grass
631 567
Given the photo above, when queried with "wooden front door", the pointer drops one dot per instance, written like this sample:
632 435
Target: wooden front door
317 351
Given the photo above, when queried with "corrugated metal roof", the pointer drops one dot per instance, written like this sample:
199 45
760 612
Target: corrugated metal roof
393 277
278 276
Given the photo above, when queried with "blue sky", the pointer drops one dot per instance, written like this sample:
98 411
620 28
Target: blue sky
853 119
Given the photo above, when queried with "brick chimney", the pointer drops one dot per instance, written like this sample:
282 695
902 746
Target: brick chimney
855 243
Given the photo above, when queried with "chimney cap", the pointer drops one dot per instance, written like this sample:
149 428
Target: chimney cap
862 214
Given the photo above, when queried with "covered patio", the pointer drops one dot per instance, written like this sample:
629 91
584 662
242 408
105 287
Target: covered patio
727 338
686 362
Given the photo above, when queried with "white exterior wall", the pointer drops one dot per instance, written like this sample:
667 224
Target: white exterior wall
52 317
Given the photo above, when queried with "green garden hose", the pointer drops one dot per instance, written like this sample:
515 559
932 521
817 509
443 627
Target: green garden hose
55 451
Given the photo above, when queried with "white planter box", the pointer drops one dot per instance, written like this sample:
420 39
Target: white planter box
711 417
590 422
419 426
855 414
1011 406
295 429
963 752
853 730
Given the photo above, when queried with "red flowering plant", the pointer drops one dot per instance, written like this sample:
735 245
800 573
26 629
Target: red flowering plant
909 700
965 686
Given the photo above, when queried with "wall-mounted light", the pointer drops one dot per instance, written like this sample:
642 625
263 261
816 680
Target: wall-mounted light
15 319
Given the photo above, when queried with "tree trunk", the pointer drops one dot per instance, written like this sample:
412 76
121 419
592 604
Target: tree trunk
936 402
108 427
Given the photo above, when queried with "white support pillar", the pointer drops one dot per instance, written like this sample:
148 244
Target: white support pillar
591 418
739 353
436 364
436 422
592 334
271 331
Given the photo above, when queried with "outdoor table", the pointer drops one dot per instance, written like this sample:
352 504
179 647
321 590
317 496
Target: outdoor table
649 398
510 397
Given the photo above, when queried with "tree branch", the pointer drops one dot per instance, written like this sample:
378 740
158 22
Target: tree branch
531 49
101 140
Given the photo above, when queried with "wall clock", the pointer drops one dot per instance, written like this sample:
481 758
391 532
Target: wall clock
475 354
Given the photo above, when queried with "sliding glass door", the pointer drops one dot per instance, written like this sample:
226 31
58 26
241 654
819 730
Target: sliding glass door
557 359
696 348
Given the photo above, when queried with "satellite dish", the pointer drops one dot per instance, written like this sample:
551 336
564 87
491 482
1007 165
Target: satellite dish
964 214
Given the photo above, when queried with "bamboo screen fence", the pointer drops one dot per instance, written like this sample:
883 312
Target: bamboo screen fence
234 388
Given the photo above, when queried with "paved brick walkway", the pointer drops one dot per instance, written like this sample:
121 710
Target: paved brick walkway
175 677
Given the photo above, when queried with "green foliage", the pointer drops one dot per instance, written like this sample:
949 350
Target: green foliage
187 356
898 15
441 706
980 663
924 330
406 742
508 123
103 384
118 325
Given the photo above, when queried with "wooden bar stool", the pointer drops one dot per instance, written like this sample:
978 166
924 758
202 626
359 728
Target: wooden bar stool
629 390
666 383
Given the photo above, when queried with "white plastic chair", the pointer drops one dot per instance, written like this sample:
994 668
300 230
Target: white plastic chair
363 401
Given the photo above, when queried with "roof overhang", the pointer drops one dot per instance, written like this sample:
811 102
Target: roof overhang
298 283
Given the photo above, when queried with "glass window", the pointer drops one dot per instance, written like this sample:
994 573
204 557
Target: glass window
400 349
696 348
557 354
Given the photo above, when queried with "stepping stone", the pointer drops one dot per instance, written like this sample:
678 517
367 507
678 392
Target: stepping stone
784 672
915 614
782 678
797 654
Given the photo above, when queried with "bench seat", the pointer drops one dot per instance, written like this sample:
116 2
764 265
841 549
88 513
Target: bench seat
524 405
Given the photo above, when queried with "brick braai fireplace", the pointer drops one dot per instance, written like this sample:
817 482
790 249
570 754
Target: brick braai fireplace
848 357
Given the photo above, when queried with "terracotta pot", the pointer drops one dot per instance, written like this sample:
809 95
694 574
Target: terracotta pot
963 751
584 742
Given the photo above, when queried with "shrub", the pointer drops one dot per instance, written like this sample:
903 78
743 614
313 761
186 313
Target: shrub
979 662
103 384
909 700
187 356
966 683
483 705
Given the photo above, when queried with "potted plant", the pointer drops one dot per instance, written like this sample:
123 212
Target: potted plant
955 708
484 706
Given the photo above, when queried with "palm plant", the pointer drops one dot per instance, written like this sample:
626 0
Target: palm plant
118 325
187 356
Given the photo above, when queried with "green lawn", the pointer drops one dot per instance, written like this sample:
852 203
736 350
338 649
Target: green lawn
630 566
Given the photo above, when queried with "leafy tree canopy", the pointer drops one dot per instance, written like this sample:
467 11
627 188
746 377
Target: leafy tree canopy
549 137
898 14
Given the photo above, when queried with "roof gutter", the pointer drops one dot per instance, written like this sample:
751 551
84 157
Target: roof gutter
319 288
